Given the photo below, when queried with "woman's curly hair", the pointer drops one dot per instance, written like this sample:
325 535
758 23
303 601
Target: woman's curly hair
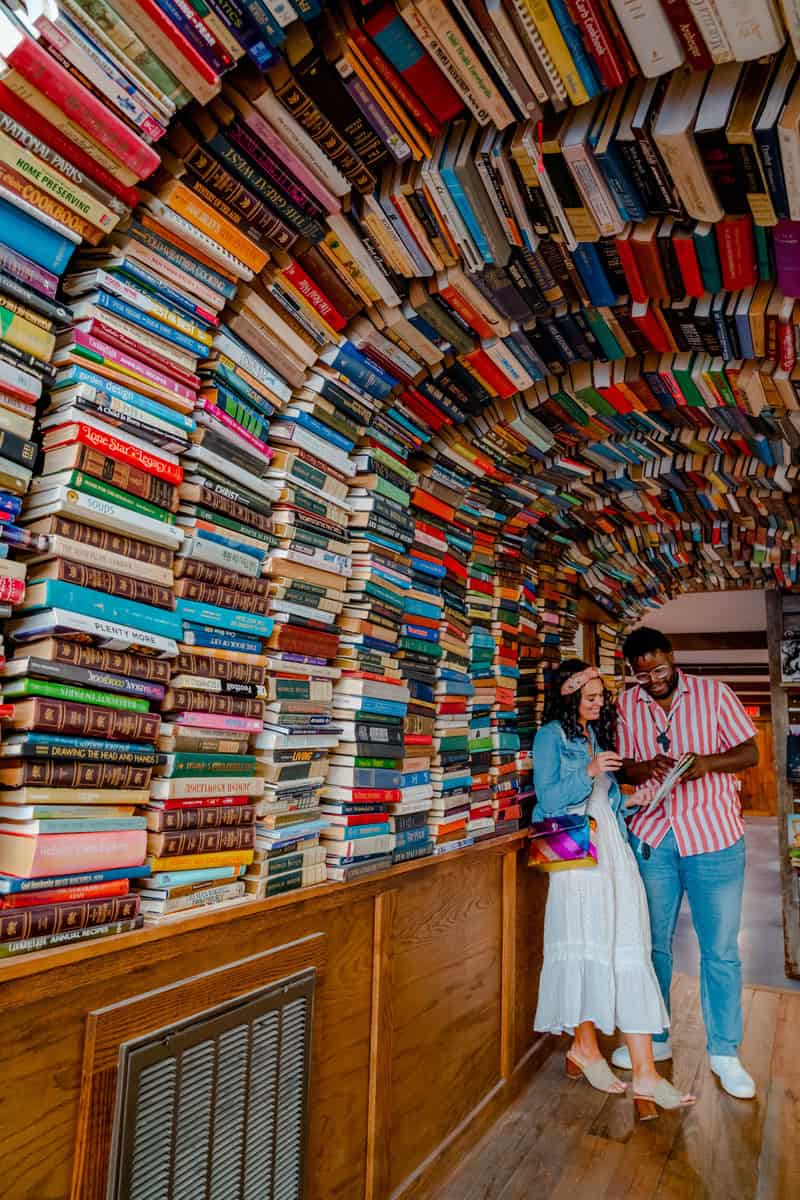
565 708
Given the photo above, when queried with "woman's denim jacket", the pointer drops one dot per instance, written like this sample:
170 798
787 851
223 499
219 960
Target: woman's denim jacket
560 775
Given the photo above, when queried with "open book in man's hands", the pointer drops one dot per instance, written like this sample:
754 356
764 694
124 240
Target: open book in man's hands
654 792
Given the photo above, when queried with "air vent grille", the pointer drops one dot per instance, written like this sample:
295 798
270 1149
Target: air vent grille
215 1108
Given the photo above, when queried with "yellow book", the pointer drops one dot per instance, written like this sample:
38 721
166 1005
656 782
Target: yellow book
199 862
545 22
420 146
346 266
25 336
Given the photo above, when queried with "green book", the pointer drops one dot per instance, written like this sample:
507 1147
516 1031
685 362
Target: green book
17 688
105 491
705 243
764 256
608 343
694 397
184 764
217 518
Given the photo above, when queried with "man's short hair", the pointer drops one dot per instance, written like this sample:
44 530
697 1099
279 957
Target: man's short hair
645 641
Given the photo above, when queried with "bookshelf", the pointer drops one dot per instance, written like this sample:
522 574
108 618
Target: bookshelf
781 610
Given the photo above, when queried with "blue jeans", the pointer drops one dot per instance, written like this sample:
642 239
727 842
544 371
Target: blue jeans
714 883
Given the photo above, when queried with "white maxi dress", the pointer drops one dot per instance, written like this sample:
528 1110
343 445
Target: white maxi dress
597 964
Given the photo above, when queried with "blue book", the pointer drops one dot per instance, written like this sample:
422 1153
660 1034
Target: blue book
221 540
99 745
418 608
11 884
89 824
574 40
438 570
388 708
769 148
354 832
264 24
743 330
207 635
319 428
130 271
416 431
415 779
171 10
54 593
34 240
75 374
590 268
195 613
136 317
167 879
453 185
355 366
410 837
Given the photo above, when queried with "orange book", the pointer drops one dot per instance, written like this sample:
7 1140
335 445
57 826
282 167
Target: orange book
189 206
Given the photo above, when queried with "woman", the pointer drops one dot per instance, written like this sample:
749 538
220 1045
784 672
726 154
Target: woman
597 971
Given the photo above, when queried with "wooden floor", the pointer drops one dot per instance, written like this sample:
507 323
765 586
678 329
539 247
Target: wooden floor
564 1141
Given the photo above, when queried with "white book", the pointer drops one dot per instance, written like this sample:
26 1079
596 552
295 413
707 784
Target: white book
63 547
650 34
528 66
109 635
709 22
537 50
589 179
301 143
202 786
753 28
791 16
444 202
66 501
342 229
673 133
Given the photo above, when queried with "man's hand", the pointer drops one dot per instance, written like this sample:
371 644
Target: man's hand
701 767
653 769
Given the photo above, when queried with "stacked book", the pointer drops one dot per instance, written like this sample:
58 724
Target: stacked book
609 655
507 741
484 696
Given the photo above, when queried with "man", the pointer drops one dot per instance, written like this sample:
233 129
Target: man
693 841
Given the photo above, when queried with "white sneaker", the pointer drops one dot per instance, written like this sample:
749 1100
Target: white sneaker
733 1076
622 1056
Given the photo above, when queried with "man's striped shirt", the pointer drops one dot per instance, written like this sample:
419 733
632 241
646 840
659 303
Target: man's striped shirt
705 718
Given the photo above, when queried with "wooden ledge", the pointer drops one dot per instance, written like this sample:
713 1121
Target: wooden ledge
322 896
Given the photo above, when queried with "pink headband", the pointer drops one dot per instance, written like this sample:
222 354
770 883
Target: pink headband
576 682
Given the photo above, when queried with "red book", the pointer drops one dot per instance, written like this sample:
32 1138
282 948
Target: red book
588 17
11 590
67 895
397 85
408 56
420 405
314 295
203 802
737 252
423 499
25 55
688 33
616 398
96 327
120 450
630 65
488 371
181 43
787 351
16 108
630 267
647 321
686 254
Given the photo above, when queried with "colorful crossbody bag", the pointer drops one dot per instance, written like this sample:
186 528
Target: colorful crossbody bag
563 843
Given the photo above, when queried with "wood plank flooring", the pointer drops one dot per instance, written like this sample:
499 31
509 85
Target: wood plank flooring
562 1139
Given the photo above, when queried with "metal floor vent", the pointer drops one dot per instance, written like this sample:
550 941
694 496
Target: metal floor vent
215 1108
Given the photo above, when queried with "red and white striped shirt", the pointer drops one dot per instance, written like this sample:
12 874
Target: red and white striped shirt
705 718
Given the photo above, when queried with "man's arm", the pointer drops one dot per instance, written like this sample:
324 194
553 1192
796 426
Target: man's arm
738 758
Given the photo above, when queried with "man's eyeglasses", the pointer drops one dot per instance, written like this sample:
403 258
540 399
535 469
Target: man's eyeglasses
658 674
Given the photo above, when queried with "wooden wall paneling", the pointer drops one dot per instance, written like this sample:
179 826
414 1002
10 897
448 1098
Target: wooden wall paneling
109 1027
508 976
381 1049
759 785
785 795
531 900
447 975
418 953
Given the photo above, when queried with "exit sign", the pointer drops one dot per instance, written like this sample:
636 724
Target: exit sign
752 710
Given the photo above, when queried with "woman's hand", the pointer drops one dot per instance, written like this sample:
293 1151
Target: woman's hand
606 760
